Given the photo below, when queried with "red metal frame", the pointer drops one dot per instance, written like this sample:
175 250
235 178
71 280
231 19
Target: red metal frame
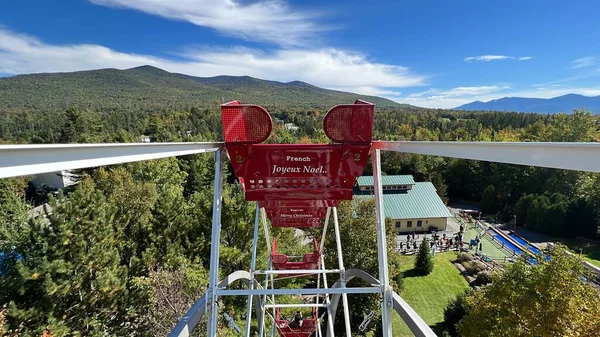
298 171
310 260
309 325
350 123
245 123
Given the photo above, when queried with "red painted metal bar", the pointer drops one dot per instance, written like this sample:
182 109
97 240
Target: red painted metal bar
315 176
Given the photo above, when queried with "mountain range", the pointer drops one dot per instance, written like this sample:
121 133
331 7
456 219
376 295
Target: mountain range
150 88
566 103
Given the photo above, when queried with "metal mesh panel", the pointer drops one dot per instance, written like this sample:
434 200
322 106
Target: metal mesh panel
249 124
352 123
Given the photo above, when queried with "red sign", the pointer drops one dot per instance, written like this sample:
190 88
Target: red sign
296 183
299 171
275 213
297 223
298 203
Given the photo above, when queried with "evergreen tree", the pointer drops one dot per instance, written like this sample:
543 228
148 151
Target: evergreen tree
489 200
424 259
69 279
522 207
456 310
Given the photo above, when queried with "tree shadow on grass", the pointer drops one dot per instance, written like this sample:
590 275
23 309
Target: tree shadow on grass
411 273
438 328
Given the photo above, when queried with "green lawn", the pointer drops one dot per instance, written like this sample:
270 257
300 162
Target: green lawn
428 295
590 253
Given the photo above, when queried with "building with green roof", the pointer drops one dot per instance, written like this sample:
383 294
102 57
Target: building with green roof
413 206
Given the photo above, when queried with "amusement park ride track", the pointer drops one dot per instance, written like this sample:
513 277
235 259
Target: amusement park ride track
295 185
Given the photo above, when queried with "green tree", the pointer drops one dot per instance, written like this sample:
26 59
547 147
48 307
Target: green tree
173 291
489 200
456 310
69 279
522 207
359 239
13 215
134 201
424 260
583 216
546 299
537 213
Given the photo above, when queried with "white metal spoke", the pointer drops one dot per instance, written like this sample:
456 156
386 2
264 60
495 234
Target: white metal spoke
214 247
569 156
20 160
386 318
299 291
252 269
338 242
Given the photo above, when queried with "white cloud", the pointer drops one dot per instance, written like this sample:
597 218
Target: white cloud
583 62
460 91
371 90
486 58
329 68
262 20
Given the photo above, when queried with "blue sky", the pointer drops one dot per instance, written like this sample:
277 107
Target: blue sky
426 53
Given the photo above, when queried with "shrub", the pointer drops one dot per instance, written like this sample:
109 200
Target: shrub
424 260
396 274
464 257
474 267
455 310
484 277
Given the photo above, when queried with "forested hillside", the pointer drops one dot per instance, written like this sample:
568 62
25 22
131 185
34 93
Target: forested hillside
103 263
150 89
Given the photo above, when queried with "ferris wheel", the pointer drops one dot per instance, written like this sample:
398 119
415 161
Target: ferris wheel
297 186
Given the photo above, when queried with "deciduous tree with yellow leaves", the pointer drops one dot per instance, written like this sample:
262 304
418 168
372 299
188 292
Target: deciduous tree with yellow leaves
551 298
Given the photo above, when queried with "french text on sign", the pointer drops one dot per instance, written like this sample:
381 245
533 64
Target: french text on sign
292 158
297 169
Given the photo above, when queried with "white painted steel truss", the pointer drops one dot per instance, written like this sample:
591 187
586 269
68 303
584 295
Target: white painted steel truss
19 160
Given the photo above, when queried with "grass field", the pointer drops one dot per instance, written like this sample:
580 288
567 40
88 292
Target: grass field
589 253
428 295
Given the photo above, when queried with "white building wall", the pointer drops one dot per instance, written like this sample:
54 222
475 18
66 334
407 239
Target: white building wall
57 180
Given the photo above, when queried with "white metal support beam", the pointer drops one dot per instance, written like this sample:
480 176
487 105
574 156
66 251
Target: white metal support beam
299 291
190 320
261 328
302 272
414 322
569 156
297 305
325 226
384 281
215 243
330 330
21 160
338 242
252 270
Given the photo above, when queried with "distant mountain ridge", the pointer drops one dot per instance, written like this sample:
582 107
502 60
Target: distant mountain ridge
565 103
150 88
